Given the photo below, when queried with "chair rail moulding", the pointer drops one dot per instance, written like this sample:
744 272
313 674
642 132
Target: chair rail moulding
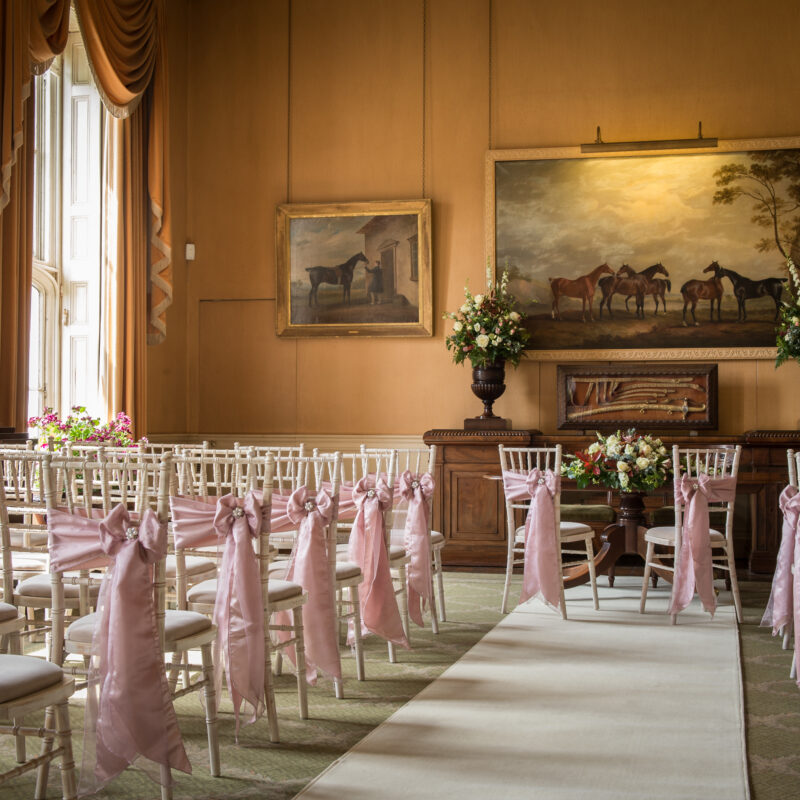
640 255
354 269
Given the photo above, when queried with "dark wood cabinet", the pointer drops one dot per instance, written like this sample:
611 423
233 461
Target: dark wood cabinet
469 509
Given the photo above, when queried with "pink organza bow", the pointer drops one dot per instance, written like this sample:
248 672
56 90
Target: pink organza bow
541 577
693 565
129 704
309 567
417 491
780 607
367 548
239 606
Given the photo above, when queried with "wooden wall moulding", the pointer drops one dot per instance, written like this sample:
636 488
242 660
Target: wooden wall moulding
648 397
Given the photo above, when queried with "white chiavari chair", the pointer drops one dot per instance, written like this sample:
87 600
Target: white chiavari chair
417 461
207 475
517 464
123 492
366 477
714 468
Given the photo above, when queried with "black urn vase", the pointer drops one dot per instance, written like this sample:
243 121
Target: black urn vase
488 383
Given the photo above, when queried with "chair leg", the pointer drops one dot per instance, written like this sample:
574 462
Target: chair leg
737 601
19 741
358 644
787 635
437 560
433 610
509 573
210 696
174 670
300 657
402 575
64 734
269 692
166 783
651 548
392 653
43 770
592 572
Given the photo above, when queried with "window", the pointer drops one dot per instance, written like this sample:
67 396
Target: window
66 291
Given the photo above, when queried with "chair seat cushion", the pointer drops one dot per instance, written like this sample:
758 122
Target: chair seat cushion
7 612
665 516
177 625
569 530
579 512
398 537
347 569
39 586
24 675
206 591
666 535
396 551
195 565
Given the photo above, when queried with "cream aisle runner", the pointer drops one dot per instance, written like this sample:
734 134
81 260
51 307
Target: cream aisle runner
608 705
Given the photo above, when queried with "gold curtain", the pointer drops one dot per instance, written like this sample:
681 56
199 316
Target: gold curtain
32 33
126 45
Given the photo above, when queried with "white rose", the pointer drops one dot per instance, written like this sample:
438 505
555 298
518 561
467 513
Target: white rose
457 326
645 449
593 448
642 462
613 449
623 480
514 315
465 308
662 451
628 449
623 466
478 300
612 440
482 341
476 327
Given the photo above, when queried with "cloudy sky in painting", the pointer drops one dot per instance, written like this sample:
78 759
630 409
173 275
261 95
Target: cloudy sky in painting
562 218
324 242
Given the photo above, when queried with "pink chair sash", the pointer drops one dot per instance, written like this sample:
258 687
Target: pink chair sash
129 704
780 608
238 607
417 491
309 567
367 548
280 521
693 565
541 576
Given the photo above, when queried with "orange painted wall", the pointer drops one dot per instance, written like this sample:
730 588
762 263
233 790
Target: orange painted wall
317 101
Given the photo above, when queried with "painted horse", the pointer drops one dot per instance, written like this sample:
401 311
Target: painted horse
695 290
341 275
747 289
657 287
581 288
625 282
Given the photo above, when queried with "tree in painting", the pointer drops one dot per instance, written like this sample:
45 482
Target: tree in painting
759 182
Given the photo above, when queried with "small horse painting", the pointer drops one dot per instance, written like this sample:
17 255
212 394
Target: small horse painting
581 288
748 289
695 290
340 275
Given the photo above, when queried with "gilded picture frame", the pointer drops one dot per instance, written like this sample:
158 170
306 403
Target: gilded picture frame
558 213
354 269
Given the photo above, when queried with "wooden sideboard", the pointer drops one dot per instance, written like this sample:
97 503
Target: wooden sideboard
469 509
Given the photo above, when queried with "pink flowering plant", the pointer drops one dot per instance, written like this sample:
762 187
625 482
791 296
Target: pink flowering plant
80 426
626 461
787 335
487 329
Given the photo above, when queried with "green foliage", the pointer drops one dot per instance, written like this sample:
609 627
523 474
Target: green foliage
626 461
80 426
487 329
787 334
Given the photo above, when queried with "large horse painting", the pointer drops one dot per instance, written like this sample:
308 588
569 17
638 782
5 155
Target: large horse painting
354 269
706 234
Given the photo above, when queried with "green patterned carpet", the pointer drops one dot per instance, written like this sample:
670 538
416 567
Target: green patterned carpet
256 768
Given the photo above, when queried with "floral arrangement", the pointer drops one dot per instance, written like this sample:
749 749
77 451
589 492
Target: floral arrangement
787 336
487 329
626 461
80 426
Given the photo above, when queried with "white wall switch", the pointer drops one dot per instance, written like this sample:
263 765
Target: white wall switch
190 251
